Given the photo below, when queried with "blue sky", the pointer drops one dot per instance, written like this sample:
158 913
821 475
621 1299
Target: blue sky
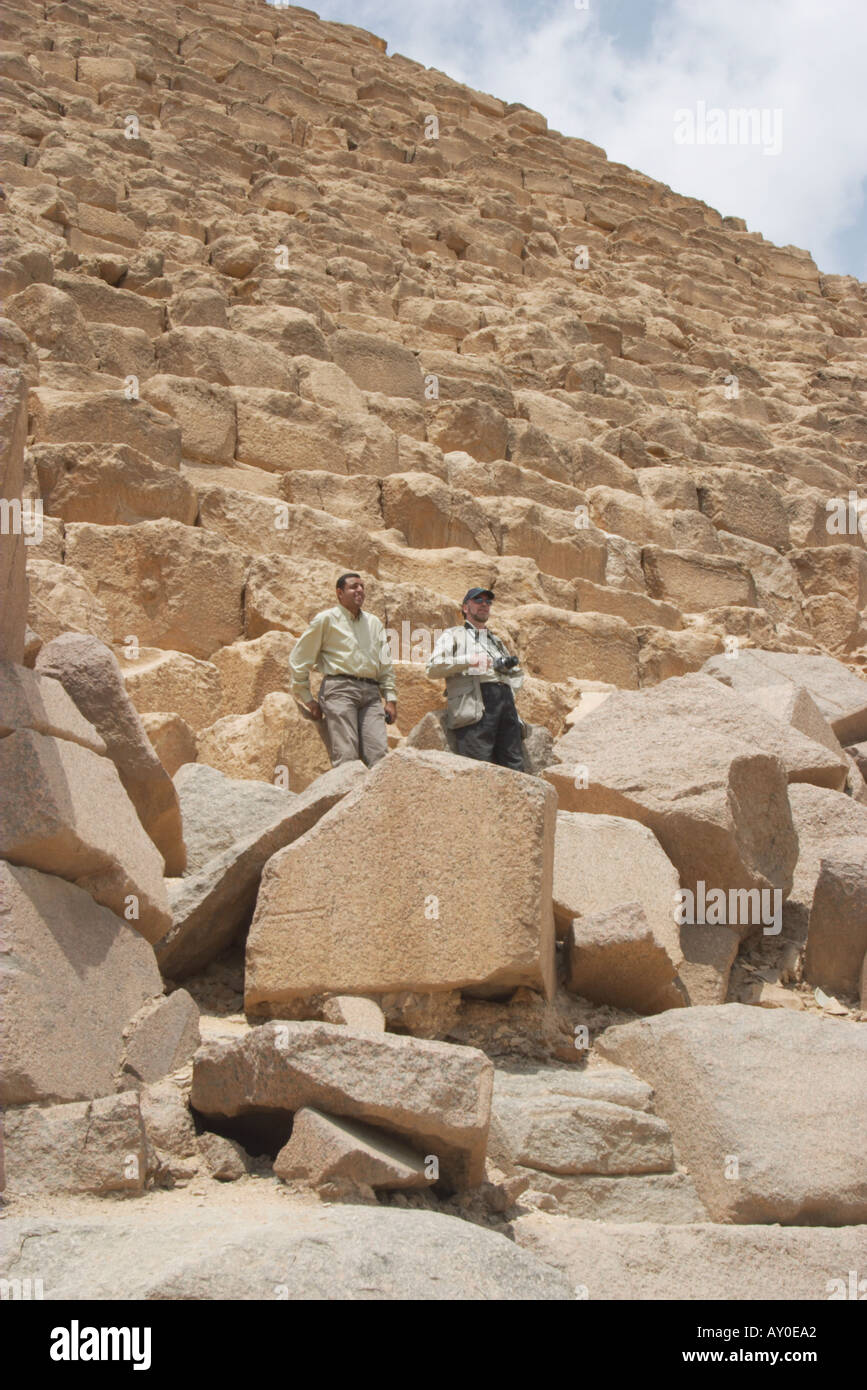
615 72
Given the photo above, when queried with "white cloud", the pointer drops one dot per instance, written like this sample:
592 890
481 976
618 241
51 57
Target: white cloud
580 69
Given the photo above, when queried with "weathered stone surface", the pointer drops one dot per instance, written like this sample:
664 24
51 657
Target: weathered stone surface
708 956
603 861
432 1094
110 485
375 364
95 1146
840 695
173 1155
224 1159
837 935
345 1252
218 811
173 740
60 601
63 811
212 904
165 680
170 585
701 1261
72 977
31 700
614 957
89 672
164 1036
323 1150
403 920
276 742
677 759
563 1134
358 1014
13 545
828 824
633 1197
711 1069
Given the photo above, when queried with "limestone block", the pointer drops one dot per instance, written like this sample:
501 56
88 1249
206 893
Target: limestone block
218 811
224 1159
345 1153
411 934
53 321
89 673
556 645
710 1069
173 740
432 1094
95 1146
110 485
708 955
224 357
163 1037
105 417
377 364
274 741
839 693
470 425
614 957
170 585
31 700
251 670
173 1155
745 504
164 680
60 601
430 513
13 547
837 936
293 331
64 811
73 976
354 1012
205 413
695 582
676 746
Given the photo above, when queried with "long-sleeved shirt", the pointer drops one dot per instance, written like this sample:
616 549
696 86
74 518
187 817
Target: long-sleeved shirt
337 644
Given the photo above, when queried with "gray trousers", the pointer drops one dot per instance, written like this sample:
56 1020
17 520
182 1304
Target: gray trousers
354 719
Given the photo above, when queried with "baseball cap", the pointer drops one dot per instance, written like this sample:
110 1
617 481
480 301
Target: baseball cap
477 593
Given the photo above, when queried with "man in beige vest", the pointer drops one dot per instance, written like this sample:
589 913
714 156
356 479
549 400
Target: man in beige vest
480 677
350 649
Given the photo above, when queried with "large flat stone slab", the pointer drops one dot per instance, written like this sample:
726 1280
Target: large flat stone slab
72 975
766 1108
64 811
644 1260
339 1252
839 693
433 875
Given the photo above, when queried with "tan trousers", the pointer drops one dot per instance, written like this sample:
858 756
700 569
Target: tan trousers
355 720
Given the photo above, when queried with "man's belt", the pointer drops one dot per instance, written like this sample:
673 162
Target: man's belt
339 676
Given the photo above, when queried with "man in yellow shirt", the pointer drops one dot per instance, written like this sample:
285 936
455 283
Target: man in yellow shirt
350 649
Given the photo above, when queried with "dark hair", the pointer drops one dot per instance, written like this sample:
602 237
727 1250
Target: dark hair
350 574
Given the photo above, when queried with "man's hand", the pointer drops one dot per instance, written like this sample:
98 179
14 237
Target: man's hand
391 708
316 709
480 661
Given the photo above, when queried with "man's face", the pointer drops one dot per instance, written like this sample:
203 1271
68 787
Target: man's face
478 610
352 594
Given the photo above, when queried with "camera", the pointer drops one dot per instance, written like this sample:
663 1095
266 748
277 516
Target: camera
505 663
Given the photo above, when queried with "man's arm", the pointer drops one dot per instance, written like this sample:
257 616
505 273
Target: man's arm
304 655
385 675
456 655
